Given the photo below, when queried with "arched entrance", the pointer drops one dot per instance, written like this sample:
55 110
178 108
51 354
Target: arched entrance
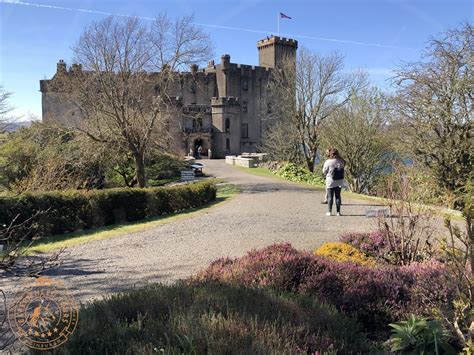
200 148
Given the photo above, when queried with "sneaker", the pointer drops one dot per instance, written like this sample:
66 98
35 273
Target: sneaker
338 214
324 203
328 213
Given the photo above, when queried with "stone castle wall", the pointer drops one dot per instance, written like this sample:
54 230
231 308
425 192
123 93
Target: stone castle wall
221 105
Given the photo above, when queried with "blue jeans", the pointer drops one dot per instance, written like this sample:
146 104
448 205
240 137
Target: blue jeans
331 192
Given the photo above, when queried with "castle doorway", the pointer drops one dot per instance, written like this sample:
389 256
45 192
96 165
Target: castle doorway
200 148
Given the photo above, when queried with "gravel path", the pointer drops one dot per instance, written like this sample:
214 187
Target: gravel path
267 211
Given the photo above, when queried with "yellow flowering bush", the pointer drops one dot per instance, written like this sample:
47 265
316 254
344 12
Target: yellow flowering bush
344 252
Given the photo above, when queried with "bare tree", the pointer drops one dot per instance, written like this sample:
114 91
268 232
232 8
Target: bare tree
15 240
460 260
357 130
409 227
128 88
435 102
179 43
5 109
304 95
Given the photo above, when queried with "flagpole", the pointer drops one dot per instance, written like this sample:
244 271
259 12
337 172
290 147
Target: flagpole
278 15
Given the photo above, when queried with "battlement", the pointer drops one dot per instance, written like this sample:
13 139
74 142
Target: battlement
225 101
61 68
272 40
274 51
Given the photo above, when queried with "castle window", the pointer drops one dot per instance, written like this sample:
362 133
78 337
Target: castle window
244 107
245 130
245 85
227 125
227 144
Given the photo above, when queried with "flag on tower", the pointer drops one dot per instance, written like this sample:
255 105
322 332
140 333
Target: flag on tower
282 15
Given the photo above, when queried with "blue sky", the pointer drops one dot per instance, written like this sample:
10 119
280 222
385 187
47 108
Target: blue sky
375 35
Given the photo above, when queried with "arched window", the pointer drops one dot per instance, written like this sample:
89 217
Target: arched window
227 144
227 125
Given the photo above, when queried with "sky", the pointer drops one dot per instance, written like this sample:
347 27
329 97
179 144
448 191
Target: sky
374 35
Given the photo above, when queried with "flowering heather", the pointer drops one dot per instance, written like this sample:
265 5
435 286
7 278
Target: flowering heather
433 287
376 296
372 244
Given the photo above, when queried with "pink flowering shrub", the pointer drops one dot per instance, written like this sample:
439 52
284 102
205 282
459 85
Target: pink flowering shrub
375 296
433 289
372 244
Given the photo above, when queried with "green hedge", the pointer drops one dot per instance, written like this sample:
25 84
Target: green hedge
75 210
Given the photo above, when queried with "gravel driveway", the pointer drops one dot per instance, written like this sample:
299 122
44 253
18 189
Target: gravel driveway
267 211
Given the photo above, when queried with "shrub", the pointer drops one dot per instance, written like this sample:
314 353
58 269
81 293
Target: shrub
68 211
212 318
164 166
293 172
418 335
344 252
373 244
375 296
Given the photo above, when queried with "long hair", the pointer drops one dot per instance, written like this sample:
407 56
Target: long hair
334 154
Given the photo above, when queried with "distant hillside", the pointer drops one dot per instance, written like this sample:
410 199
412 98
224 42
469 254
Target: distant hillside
14 126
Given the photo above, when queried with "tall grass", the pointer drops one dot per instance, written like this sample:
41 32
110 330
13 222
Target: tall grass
211 318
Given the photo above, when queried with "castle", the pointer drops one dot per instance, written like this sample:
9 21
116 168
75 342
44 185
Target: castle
221 105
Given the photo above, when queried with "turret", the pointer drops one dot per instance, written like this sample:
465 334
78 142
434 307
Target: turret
225 61
274 51
61 67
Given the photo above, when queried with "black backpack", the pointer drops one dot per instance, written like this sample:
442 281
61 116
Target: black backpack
338 173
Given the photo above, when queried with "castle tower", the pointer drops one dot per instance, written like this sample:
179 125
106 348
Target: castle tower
274 50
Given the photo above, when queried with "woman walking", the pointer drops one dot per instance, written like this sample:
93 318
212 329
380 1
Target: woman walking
333 169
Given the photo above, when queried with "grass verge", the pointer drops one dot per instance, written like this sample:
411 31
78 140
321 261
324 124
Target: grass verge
47 244
441 211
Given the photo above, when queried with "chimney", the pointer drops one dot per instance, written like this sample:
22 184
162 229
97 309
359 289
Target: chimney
61 67
225 61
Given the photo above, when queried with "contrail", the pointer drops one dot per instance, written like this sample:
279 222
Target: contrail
335 40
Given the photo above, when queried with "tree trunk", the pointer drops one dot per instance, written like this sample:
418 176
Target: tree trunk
309 164
140 170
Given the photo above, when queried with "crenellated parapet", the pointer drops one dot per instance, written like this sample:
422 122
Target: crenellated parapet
270 41
61 80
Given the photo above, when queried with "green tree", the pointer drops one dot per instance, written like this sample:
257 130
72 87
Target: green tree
50 157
